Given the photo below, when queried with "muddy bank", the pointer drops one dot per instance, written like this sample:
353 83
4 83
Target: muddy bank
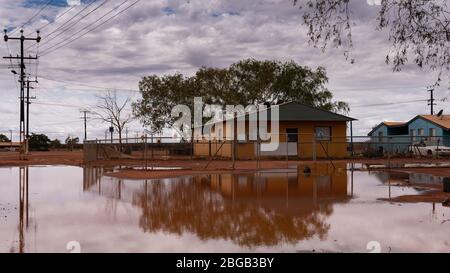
444 172
74 158
159 174
430 196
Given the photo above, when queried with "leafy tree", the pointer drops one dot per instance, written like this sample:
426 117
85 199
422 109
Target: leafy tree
4 138
56 144
245 82
39 142
418 28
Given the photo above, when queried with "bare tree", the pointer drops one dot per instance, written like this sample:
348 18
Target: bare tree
112 110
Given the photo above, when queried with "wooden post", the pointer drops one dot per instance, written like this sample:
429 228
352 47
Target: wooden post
351 137
314 147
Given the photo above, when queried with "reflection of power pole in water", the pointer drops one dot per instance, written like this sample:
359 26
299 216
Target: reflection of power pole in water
287 190
315 191
120 189
351 178
389 181
23 206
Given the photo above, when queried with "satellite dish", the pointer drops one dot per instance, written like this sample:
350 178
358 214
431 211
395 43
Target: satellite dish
440 113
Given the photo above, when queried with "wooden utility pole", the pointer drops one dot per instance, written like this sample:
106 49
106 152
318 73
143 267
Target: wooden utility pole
84 111
431 100
22 58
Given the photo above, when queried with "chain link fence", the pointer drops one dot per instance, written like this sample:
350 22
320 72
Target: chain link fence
290 146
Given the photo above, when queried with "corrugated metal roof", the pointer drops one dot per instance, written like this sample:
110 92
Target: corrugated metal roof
294 111
394 123
443 121
388 124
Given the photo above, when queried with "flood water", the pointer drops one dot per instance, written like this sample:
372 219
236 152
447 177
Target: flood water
42 209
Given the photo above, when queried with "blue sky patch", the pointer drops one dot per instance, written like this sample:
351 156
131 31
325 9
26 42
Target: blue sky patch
169 11
41 3
229 13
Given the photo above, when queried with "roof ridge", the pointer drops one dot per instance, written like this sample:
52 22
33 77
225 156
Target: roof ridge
316 108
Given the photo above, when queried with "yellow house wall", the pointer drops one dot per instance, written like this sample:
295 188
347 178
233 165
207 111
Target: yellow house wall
335 148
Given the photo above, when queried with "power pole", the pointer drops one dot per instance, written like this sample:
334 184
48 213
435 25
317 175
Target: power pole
85 122
431 100
22 58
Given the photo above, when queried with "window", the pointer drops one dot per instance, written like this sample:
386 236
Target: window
323 133
292 134
432 133
412 133
421 133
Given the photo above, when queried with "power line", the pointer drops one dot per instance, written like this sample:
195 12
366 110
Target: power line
47 41
67 21
58 104
113 9
379 88
34 16
88 85
57 17
11 64
48 50
389 103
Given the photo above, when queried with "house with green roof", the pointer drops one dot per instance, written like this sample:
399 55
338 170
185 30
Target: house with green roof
304 132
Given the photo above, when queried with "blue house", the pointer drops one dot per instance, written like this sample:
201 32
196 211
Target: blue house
396 137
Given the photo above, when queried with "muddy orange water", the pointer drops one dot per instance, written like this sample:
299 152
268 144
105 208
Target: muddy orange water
48 209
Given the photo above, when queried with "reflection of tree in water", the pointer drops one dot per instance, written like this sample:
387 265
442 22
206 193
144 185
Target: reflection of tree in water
187 206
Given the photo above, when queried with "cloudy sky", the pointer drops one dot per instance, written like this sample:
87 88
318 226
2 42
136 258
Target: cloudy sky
167 36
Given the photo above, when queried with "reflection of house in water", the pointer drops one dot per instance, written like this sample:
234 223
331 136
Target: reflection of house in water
408 178
283 184
250 209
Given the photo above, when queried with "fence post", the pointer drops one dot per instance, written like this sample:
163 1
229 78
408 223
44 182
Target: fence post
258 152
437 148
151 144
233 151
145 152
287 151
209 147
351 138
314 147
390 151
